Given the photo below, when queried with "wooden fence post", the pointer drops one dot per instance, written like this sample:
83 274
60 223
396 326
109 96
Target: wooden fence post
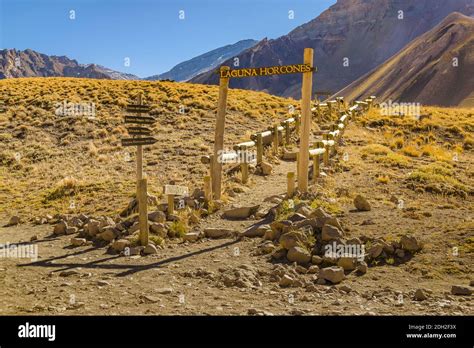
315 167
207 188
297 124
170 204
306 91
143 211
291 184
259 148
219 135
326 153
244 166
287 133
275 140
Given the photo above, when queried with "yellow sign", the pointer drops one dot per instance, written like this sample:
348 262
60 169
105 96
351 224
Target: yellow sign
265 71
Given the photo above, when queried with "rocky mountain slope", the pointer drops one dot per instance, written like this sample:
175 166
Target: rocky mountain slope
366 32
203 63
29 63
435 69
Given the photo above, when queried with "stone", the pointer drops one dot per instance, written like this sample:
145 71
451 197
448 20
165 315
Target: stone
289 155
420 295
271 235
285 281
334 274
334 221
33 238
149 299
191 236
78 241
108 235
316 260
362 267
313 269
267 247
158 228
346 288
266 167
72 230
241 212
150 249
319 213
301 270
120 245
304 210
14 220
299 255
361 203
60 228
375 251
218 232
400 253
330 233
164 291
157 216
279 254
92 228
321 281
173 218
291 239
461 290
347 263
410 243
258 231
296 217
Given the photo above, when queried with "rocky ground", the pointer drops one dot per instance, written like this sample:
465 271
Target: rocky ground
419 251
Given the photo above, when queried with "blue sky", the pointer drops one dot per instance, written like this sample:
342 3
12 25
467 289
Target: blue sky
149 32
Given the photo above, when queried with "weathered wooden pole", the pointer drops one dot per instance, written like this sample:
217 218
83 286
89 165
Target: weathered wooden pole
315 167
259 148
219 134
291 184
244 166
207 188
297 124
275 139
170 204
326 153
287 133
306 91
142 211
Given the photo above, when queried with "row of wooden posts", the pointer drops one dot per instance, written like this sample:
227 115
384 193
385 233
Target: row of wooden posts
281 134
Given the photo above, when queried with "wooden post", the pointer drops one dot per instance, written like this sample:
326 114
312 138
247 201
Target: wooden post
219 134
287 133
315 167
244 166
207 188
259 148
275 140
297 124
170 204
326 153
291 184
306 91
143 211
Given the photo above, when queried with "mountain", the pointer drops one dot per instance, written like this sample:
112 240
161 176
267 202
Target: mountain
367 32
29 63
425 70
205 62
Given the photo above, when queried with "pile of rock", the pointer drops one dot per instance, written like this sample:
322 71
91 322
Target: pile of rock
315 240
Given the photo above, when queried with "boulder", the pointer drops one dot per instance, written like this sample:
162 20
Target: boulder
347 263
286 281
107 235
241 212
279 254
60 228
333 274
304 210
375 251
296 217
91 228
334 221
361 203
362 267
78 241
14 220
258 231
158 229
420 295
289 155
120 245
267 247
191 237
157 216
299 255
266 167
410 243
218 232
461 290
281 226
72 230
150 249
316 260
319 213
291 239
330 233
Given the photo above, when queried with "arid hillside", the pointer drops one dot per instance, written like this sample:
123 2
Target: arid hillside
49 161
436 68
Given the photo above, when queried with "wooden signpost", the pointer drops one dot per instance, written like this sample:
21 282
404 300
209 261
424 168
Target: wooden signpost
307 69
171 191
137 140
